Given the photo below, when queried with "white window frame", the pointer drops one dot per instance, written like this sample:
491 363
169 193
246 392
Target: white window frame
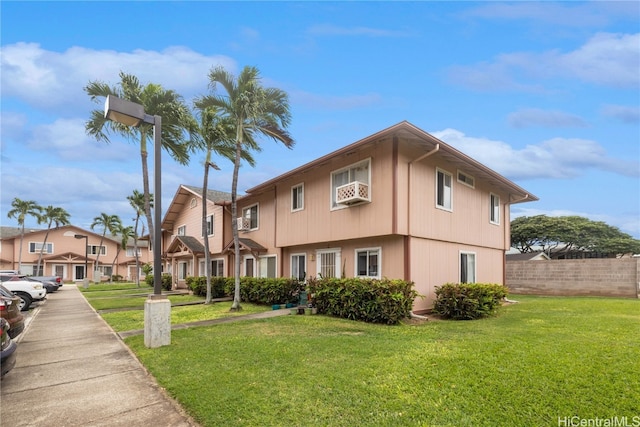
263 266
211 225
337 261
183 270
299 190
473 271
217 265
466 178
357 252
37 246
193 203
92 249
244 265
444 206
182 231
295 262
353 171
130 252
494 209
250 217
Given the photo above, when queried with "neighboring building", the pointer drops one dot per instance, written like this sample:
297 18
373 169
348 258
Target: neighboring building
528 256
64 255
399 204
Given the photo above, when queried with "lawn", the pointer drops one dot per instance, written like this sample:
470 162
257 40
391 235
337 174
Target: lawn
533 364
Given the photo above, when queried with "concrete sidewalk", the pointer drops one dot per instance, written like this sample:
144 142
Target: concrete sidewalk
73 370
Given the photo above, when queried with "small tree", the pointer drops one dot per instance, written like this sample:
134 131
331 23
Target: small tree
110 223
51 215
20 209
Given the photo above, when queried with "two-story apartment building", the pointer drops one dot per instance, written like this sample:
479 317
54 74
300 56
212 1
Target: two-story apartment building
398 204
71 253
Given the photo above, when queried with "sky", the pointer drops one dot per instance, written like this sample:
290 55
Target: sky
545 93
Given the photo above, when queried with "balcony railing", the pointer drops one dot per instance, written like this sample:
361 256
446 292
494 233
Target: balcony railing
352 193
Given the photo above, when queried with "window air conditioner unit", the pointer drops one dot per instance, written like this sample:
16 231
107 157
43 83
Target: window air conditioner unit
243 224
352 193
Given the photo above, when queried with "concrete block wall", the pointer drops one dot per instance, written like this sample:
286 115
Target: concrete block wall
575 277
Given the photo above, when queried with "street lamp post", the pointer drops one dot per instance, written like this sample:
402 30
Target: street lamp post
157 314
85 279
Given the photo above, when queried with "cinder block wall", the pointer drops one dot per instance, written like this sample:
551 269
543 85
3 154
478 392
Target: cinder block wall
575 277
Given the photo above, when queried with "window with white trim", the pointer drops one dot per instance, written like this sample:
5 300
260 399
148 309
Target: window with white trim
193 203
36 247
299 266
249 263
368 262
93 250
210 225
328 263
217 267
466 179
494 212
131 252
182 230
467 267
268 266
251 213
183 270
359 172
444 190
297 198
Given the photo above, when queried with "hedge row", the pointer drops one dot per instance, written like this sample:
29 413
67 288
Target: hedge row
467 301
252 289
370 300
167 281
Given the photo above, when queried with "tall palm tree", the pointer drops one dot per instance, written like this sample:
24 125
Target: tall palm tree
20 209
51 215
110 223
137 200
214 135
156 100
254 110
125 234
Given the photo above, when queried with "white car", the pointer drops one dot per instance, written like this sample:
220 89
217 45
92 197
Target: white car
27 291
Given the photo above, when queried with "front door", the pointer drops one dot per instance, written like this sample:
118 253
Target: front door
79 272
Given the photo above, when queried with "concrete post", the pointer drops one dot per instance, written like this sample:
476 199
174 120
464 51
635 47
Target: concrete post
157 321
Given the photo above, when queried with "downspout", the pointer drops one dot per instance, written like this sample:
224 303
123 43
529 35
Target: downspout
504 255
407 260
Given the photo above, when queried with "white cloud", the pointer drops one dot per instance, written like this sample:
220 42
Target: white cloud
50 79
558 158
623 113
536 117
606 59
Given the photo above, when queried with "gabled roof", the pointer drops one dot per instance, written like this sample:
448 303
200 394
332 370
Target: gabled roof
10 232
191 243
183 197
427 143
246 244
528 256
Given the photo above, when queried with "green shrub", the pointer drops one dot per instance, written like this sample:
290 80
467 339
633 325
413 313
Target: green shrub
370 300
116 278
467 301
198 286
166 279
268 291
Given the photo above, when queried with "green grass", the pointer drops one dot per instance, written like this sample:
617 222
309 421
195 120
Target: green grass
134 319
536 361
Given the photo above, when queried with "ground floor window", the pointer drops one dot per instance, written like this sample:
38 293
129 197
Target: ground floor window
467 267
368 262
217 268
249 267
182 270
268 266
328 263
299 266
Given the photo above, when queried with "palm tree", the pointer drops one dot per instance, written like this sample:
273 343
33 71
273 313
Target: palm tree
156 100
254 110
125 234
51 215
110 223
215 134
20 210
136 200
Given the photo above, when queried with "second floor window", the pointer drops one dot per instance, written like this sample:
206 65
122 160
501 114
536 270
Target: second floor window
357 172
297 197
251 215
132 252
36 247
95 249
444 190
494 212
210 225
182 230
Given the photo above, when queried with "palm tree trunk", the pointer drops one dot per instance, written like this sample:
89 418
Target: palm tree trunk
145 188
44 244
234 219
135 250
20 251
205 235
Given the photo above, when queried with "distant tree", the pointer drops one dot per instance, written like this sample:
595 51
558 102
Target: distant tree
254 110
213 135
125 234
20 209
570 234
136 200
110 223
51 215
156 100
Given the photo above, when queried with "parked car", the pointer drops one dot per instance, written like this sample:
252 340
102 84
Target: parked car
7 349
48 285
10 311
49 281
27 291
